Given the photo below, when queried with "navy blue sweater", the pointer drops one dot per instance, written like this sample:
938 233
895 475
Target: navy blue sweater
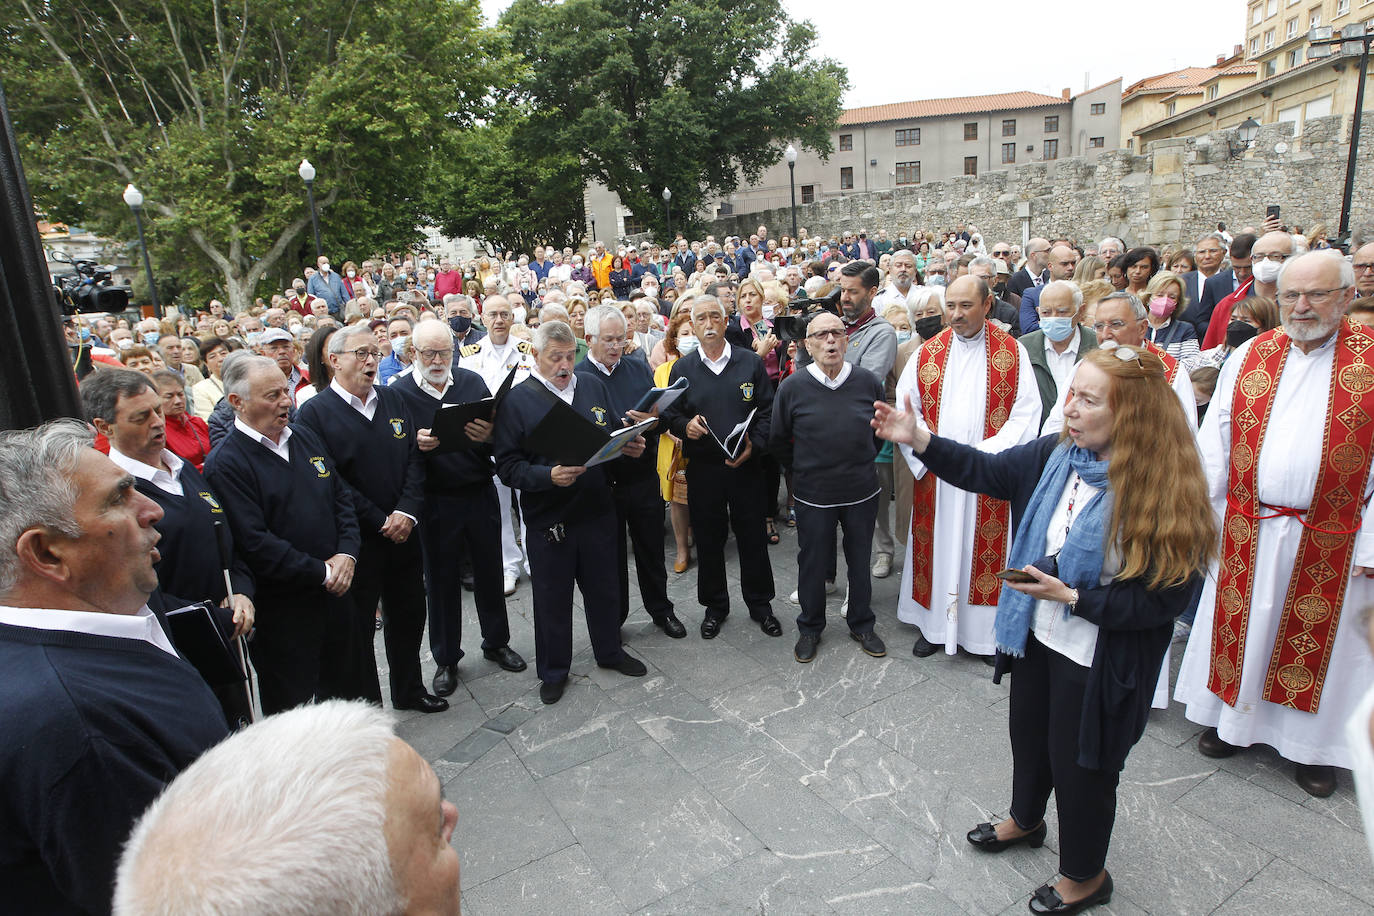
454 473
724 400
628 382
91 730
287 518
1134 623
825 436
378 459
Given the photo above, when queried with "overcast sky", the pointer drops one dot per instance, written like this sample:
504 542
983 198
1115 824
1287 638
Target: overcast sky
986 46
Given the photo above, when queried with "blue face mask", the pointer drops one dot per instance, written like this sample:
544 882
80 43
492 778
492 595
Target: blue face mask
903 336
253 338
84 333
1057 329
459 324
150 338
686 345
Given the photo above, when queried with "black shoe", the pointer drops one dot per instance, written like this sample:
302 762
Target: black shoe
446 680
870 643
924 647
551 693
424 703
770 626
990 660
1316 780
506 657
710 626
806 647
1209 744
984 837
669 624
628 666
468 583
1047 900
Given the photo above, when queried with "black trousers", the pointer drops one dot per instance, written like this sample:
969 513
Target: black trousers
580 557
816 547
467 525
394 574
288 647
1046 704
639 511
721 499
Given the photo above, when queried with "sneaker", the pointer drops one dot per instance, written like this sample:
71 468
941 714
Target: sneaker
844 608
830 589
882 567
794 599
510 584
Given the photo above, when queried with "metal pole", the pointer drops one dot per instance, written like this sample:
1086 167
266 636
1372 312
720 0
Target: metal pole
314 219
593 230
792 181
668 212
147 264
1354 147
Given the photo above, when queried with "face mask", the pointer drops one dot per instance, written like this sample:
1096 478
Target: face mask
125 343
1238 332
1362 764
254 338
903 336
399 344
928 327
324 268
686 345
300 291
936 280
769 310
352 274
1267 271
150 338
459 324
1057 329
424 262
84 333
1160 306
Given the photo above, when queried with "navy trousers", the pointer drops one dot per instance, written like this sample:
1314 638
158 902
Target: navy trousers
720 500
816 547
394 574
450 526
639 512
579 557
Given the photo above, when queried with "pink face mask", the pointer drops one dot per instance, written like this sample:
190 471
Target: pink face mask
1161 306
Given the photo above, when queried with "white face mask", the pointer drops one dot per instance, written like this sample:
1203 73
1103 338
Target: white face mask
324 268
1362 761
1267 271
352 274
768 311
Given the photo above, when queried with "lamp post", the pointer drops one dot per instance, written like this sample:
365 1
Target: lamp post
1354 39
1245 133
791 154
307 173
593 217
668 210
134 198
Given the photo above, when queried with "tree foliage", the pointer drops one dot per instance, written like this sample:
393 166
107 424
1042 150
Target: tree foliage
208 106
692 95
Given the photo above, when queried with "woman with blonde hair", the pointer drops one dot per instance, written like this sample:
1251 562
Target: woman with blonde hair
1113 544
678 342
1093 292
1166 299
1088 269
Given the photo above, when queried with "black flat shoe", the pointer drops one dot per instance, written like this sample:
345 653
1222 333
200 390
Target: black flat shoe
1047 900
628 666
770 626
805 650
669 624
446 680
924 648
984 837
424 703
710 627
550 693
1316 780
870 643
506 657
1209 744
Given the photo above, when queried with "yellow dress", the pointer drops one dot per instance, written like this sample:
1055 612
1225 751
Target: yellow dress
668 450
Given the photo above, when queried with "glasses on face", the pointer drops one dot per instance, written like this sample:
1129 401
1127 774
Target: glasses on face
430 356
1315 297
1256 257
1001 254
611 341
1116 325
363 354
1362 266
831 334
935 271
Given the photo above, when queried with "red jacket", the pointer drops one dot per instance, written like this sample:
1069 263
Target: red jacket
188 437
446 282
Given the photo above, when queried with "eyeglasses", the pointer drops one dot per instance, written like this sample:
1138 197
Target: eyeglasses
831 334
1256 257
1362 266
363 354
1315 297
611 341
430 356
1116 325
998 254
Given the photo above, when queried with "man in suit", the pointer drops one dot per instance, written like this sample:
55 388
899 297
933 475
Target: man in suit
1031 273
1223 283
1061 262
369 432
1208 254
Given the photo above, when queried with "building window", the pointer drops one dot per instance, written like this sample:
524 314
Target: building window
808 193
1270 68
1008 153
1268 39
910 136
725 209
846 142
1009 127
1051 149
1097 143
846 178
970 165
1173 106
1098 108
1315 18
971 131
1254 46
1212 92
1271 8
1256 14
1052 124
908 173
634 225
1292 58
1291 29
1342 7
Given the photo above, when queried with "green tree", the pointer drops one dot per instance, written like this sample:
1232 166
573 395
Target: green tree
692 95
209 107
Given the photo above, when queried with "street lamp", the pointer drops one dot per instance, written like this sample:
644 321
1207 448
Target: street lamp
1245 133
593 217
791 154
668 210
307 173
1353 39
134 198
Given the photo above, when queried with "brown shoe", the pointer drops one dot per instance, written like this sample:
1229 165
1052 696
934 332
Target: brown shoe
1316 780
1209 744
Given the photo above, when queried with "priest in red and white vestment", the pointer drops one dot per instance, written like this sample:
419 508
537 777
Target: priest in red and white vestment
1277 655
972 383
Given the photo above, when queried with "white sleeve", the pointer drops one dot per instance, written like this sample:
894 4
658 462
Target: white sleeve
1183 387
1214 438
906 386
1021 426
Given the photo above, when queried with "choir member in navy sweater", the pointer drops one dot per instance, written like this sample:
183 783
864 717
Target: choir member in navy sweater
98 712
460 510
821 434
292 519
726 383
569 514
368 432
638 501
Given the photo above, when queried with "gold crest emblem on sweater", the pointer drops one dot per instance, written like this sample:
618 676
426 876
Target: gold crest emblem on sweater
211 502
600 414
398 427
320 467
747 389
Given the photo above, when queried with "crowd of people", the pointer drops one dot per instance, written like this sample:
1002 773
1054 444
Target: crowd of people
1047 510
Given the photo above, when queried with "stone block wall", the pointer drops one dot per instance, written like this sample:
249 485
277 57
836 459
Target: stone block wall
1174 193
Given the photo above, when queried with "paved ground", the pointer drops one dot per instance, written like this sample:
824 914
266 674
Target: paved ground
733 780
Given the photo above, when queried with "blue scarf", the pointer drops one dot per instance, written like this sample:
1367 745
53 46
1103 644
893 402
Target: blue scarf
1080 560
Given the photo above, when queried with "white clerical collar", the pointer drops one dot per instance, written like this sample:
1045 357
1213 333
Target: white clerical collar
975 340
361 405
141 625
606 371
565 394
431 390
716 365
826 380
165 479
279 448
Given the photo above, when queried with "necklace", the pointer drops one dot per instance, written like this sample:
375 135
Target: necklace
1073 498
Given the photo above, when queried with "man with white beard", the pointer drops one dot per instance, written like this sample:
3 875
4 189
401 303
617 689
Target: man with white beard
901 271
1277 654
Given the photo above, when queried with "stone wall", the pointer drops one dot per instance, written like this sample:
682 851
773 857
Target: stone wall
1174 193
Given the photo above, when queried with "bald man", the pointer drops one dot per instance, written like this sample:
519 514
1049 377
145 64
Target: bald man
1061 263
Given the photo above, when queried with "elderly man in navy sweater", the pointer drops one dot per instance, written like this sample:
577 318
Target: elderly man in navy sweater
369 433
97 710
293 520
569 514
638 500
821 433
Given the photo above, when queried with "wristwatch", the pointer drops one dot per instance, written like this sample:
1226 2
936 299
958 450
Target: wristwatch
1073 600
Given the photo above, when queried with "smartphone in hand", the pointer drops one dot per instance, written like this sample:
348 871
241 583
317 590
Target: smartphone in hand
1016 575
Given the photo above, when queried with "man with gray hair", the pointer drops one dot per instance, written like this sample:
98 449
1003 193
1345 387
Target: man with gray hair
97 710
1056 348
317 810
901 272
1110 249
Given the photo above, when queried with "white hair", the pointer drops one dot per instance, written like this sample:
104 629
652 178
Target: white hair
1119 244
285 817
1347 269
36 489
1069 285
812 285
920 297
552 331
591 322
238 366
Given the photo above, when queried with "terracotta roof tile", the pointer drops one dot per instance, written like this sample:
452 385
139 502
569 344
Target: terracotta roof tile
1186 78
934 108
